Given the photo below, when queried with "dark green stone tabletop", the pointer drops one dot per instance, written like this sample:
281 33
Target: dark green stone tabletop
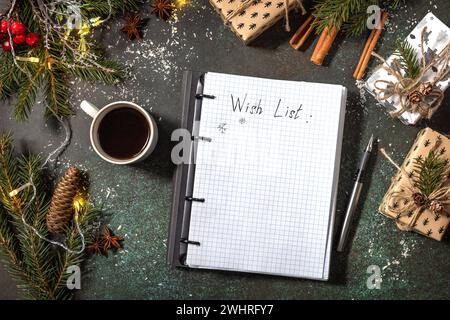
137 198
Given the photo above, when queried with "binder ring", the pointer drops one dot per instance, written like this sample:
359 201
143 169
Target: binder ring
194 199
206 96
207 139
186 241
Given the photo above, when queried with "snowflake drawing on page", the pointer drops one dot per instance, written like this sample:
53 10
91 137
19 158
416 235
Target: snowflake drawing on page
242 120
222 127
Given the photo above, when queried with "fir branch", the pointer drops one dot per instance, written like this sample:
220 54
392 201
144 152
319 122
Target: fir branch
429 172
395 3
27 16
101 8
27 93
356 24
56 93
9 176
111 73
7 78
408 58
11 256
22 259
337 12
66 259
65 53
35 253
8 238
348 15
10 253
38 267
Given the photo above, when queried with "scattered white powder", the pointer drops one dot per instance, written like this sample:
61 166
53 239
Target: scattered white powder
389 264
360 84
405 249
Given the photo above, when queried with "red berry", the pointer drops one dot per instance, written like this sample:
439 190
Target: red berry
6 46
4 26
19 39
32 39
2 36
18 27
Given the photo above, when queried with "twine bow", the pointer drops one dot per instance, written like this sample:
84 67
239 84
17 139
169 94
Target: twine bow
414 203
414 93
245 4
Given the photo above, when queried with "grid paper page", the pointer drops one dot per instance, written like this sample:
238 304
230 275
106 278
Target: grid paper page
266 176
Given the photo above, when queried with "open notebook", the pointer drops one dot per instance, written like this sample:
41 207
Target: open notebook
261 195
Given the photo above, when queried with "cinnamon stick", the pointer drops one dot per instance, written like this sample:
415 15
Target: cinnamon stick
300 37
324 45
364 53
369 47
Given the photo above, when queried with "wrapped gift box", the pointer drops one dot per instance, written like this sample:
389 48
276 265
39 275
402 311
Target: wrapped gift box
249 21
437 37
429 223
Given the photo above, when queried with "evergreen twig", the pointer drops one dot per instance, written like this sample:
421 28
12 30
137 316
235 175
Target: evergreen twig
408 58
37 266
348 15
90 73
7 83
429 172
59 59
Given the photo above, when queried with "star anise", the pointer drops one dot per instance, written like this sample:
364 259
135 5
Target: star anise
132 26
96 246
162 8
110 241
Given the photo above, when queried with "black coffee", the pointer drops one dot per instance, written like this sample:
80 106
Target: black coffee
123 133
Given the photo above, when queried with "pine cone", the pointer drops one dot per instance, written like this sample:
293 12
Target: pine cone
415 96
425 88
436 207
61 208
419 199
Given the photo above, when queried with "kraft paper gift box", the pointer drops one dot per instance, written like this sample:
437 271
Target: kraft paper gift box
437 36
429 223
250 22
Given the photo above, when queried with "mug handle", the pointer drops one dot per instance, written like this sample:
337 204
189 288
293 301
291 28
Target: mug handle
89 108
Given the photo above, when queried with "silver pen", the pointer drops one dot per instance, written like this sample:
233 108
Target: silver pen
354 198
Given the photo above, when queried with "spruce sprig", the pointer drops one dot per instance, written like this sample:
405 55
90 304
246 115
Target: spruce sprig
51 75
38 267
101 8
348 15
408 59
7 82
429 172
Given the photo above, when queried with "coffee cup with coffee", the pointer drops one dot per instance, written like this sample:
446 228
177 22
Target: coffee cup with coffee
121 132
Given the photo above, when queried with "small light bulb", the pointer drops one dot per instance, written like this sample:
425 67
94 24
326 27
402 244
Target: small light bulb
182 3
79 202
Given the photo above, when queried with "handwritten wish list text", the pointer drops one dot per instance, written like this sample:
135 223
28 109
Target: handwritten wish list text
279 110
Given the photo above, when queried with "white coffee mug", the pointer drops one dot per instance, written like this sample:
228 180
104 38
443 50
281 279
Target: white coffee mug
98 115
